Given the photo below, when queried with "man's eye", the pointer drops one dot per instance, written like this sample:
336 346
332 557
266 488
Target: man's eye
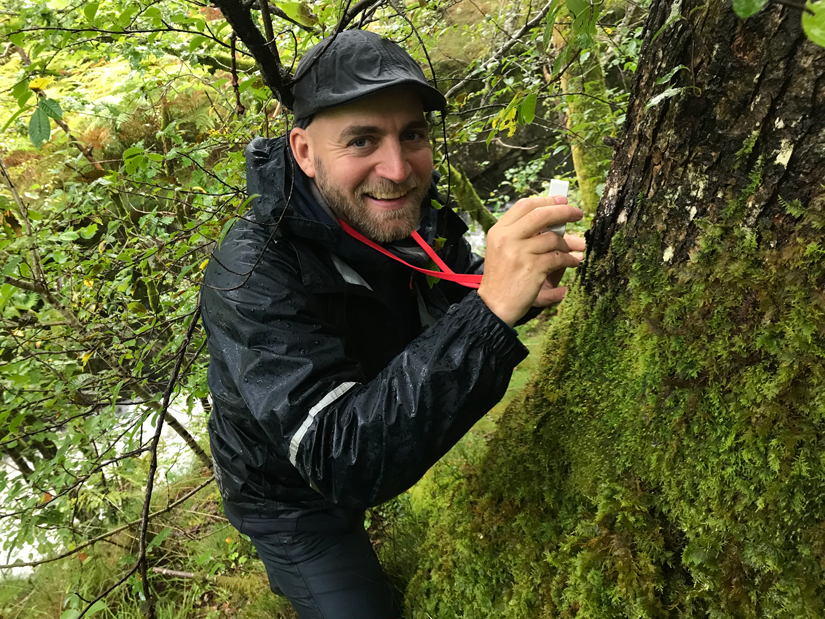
359 142
413 135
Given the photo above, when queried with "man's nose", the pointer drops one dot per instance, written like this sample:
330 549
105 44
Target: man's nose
393 164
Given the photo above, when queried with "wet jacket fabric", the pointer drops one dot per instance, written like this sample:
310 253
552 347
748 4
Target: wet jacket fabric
338 376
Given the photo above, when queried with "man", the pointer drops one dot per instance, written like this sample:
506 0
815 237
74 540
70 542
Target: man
338 374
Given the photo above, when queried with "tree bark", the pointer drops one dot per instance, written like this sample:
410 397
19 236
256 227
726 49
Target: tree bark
666 461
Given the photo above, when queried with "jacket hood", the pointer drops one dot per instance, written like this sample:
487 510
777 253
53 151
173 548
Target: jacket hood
283 195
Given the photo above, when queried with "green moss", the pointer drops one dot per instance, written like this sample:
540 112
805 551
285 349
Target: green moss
747 148
667 460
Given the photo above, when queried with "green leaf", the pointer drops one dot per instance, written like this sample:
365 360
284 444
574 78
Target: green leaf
131 152
528 108
436 204
11 265
89 231
6 292
549 22
90 10
18 38
746 8
68 235
667 94
136 307
39 128
197 42
96 608
50 107
14 117
814 25
158 539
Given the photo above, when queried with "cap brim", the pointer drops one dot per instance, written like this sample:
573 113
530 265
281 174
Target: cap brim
431 98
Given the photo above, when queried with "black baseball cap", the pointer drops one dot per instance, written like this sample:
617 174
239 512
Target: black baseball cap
354 64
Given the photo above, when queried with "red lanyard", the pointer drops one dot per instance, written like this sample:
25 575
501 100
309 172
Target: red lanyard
469 281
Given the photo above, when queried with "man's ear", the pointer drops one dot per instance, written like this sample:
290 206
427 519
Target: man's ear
301 145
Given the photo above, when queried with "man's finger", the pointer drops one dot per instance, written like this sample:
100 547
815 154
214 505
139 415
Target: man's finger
526 205
555 260
575 243
548 296
543 243
537 220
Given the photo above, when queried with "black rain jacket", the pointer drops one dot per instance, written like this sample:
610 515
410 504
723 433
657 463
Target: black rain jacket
338 376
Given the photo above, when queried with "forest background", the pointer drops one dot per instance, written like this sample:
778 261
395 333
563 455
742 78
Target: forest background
122 161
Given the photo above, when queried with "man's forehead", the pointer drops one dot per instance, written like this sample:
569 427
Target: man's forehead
396 107
355 130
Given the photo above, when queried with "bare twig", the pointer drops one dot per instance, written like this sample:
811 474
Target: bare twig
153 464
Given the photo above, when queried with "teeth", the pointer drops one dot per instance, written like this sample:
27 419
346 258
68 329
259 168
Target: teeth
387 196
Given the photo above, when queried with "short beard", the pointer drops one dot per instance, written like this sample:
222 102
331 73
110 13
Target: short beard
381 227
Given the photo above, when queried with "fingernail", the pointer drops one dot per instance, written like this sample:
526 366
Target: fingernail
560 199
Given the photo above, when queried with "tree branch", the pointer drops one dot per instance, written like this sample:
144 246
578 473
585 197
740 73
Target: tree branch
273 72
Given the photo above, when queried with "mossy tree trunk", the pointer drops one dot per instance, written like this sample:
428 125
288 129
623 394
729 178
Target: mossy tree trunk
467 199
587 112
667 459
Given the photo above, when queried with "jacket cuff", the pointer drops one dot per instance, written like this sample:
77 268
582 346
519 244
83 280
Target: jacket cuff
504 338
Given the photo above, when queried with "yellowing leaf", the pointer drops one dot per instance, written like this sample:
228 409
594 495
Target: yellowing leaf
39 83
86 356
204 263
88 283
101 247
201 189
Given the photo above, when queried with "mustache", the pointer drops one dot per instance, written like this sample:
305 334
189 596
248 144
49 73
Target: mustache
388 186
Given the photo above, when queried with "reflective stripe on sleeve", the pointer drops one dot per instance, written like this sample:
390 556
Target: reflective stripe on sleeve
325 401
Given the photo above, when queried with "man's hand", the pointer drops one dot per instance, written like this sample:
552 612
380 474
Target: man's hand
523 266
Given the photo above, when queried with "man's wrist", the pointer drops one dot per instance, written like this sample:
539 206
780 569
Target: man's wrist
505 316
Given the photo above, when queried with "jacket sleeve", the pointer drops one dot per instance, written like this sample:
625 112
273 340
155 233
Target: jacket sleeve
357 443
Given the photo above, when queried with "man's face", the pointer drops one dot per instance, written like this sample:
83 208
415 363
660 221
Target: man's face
371 160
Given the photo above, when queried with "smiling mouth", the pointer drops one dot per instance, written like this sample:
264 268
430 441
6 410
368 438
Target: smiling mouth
387 197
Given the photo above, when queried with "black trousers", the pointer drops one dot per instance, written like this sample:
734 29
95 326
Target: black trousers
328 575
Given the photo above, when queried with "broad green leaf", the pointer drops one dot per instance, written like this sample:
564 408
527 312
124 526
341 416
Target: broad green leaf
90 10
436 204
89 231
814 25
39 128
746 8
132 151
51 108
197 42
528 108
68 235
18 38
11 265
